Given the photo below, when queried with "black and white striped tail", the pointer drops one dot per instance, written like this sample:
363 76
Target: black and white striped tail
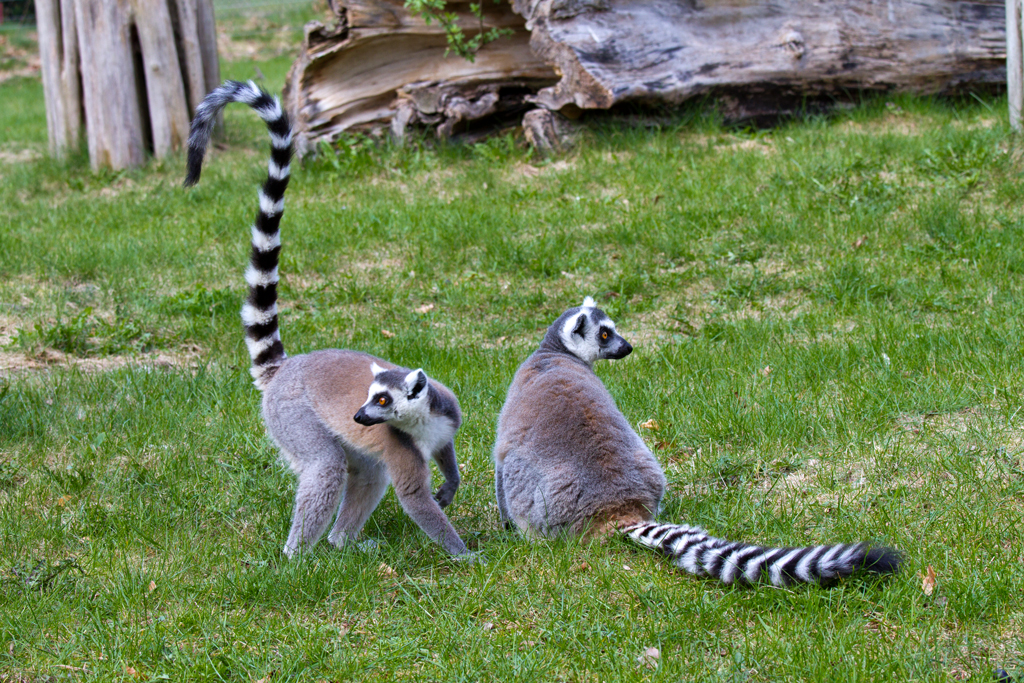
694 551
259 313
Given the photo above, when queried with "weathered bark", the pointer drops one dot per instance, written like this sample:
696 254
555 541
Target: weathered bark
548 131
612 51
381 67
142 67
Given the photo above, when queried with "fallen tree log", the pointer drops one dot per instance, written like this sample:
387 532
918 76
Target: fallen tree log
612 51
380 67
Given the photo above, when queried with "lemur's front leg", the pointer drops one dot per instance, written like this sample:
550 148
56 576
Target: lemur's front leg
449 466
410 476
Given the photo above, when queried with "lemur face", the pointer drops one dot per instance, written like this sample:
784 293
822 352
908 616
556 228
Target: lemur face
394 395
590 335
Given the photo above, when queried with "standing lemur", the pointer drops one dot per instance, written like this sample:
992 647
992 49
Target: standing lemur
566 460
346 423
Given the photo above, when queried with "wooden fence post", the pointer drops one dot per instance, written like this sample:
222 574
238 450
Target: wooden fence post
130 72
58 49
1014 62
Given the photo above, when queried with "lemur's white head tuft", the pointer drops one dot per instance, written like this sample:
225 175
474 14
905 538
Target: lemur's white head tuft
588 302
376 369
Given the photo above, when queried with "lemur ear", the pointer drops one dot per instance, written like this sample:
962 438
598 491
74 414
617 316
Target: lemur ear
376 369
415 382
588 302
581 325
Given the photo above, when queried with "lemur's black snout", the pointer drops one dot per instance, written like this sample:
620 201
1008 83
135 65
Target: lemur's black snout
362 418
622 350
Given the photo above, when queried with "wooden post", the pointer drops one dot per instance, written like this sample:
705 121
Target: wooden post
1014 62
113 120
130 71
206 30
58 47
169 113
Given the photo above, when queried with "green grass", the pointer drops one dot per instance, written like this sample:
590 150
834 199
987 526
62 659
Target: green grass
827 327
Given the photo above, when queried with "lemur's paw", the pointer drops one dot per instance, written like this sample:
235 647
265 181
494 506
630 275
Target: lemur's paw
445 495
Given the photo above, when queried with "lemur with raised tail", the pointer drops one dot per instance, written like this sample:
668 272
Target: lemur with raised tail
566 460
346 423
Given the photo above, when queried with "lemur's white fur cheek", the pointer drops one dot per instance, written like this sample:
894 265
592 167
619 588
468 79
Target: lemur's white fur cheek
586 347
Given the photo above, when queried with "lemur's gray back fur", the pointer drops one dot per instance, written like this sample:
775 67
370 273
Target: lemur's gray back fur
259 314
567 460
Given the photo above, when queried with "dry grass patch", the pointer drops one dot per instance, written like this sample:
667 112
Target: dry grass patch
522 171
17 363
526 341
765 147
786 306
439 182
390 264
896 122
616 157
20 156
21 61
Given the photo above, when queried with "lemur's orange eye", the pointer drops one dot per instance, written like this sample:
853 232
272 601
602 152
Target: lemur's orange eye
382 400
604 336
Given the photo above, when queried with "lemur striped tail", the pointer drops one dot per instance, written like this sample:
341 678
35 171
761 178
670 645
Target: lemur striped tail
694 551
259 313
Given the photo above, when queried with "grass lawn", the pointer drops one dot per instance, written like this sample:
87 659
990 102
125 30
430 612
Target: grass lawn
827 320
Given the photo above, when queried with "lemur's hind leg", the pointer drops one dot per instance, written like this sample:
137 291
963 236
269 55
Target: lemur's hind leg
367 482
316 498
319 462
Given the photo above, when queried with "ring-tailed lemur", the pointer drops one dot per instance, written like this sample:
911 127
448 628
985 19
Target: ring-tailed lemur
347 424
566 460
